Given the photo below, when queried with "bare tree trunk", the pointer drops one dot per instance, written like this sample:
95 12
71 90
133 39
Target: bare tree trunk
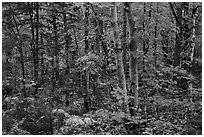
87 96
68 41
124 44
119 57
192 55
36 60
177 49
155 41
145 50
20 50
144 35
30 5
100 42
97 45
41 58
56 68
134 85
86 33
14 72
155 44
76 42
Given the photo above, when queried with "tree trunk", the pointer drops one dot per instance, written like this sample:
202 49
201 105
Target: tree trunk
14 70
134 85
177 49
87 96
98 31
36 60
42 59
76 42
66 43
124 41
20 50
155 45
119 57
30 5
56 47
86 33
155 41
192 55
97 44
144 37
145 50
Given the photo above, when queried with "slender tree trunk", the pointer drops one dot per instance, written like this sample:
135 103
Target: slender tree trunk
67 38
20 50
97 45
14 72
33 36
103 43
177 49
97 31
144 37
134 85
119 57
145 50
56 48
100 42
76 42
87 96
41 58
124 41
155 44
192 55
155 41
36 60
51 94
86 33
22 63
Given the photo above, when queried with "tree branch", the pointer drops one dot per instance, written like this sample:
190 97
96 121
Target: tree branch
174 13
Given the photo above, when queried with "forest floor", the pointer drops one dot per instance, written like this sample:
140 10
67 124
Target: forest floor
158 116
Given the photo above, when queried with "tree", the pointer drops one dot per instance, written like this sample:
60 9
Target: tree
124 40
101 68
194 15
134 85
119 55
178 16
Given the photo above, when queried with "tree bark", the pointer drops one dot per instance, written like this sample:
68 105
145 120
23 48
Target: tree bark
134 85
119 57
144 37
30 5
20 50
86 33
177 49
14 70
155 41
98 31
36 60
192 55
68 40
76 42
124 41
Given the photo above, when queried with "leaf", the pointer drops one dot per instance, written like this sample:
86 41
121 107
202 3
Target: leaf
58 111
74 121
89 121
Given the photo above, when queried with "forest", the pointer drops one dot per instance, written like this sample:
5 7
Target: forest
102 68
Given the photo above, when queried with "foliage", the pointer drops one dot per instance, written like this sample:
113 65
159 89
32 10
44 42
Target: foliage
49 76
26 115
